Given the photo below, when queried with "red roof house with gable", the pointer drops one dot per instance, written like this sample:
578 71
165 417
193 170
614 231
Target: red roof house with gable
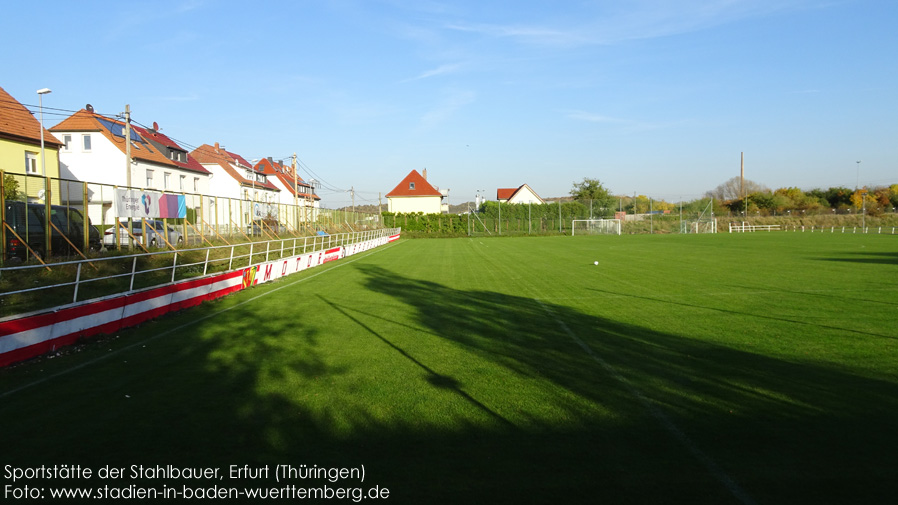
415 194
20 143
236 179
95 151
522 194
195 183
292 186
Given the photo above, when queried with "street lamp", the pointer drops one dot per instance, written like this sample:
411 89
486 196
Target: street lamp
40 99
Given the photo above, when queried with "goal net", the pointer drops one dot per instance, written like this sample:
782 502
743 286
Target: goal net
595 227
700 226
705 223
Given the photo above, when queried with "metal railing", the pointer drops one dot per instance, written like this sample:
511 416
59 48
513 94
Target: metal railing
114 275
210 216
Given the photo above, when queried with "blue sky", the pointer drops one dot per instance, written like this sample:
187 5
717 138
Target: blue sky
652 97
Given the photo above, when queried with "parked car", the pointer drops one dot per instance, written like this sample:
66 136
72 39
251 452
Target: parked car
68 224
270 227
154 234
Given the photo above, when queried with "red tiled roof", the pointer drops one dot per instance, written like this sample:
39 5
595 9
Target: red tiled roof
17 123
506 193
284 173
416 181
191 163
227 160
86 121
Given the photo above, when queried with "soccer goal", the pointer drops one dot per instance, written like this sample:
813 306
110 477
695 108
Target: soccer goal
595 227
705 223
700 226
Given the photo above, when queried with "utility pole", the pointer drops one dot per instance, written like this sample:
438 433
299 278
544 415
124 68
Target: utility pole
352 194
295 191
128 168
742 185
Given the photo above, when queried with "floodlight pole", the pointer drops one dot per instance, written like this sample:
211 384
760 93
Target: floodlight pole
857 184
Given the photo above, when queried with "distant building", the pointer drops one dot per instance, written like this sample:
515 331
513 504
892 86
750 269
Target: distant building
415 194
522 194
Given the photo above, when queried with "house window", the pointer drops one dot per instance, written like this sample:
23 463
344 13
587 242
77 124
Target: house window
196 184
67 140
183 182
411 185
85 143
149 178
167 178
30 162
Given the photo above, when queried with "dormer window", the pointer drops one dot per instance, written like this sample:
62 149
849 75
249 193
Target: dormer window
411 185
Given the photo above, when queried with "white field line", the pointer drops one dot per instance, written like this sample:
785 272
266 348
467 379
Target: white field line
665 421
657 413
193 322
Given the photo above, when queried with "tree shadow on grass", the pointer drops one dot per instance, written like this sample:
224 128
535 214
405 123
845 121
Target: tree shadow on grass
882 257
528 417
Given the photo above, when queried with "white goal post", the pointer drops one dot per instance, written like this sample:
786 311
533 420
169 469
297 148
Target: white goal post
699 226
595 227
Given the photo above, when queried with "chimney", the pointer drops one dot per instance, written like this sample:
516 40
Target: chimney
425 174
216 148
270 160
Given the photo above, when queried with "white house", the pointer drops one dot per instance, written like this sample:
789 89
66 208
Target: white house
522 194
294 190
94 151
415 194
245 194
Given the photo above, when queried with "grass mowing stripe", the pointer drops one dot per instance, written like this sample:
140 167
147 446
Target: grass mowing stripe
507 270
795 413
657 413
191 323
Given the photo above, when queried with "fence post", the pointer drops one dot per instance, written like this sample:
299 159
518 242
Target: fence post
133 270
86 216
174 267
2 218
77 280
206 264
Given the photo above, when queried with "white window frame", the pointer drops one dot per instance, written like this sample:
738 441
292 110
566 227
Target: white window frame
31 162
86 143
67 142
149 178
166 180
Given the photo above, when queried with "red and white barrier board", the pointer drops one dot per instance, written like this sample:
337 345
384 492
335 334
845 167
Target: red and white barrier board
36 334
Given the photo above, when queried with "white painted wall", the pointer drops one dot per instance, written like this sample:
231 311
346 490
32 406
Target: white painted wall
525 195
425 204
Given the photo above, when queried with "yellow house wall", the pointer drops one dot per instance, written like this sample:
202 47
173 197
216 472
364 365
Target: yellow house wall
12 162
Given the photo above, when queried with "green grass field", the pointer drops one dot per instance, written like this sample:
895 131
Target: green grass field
700 369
